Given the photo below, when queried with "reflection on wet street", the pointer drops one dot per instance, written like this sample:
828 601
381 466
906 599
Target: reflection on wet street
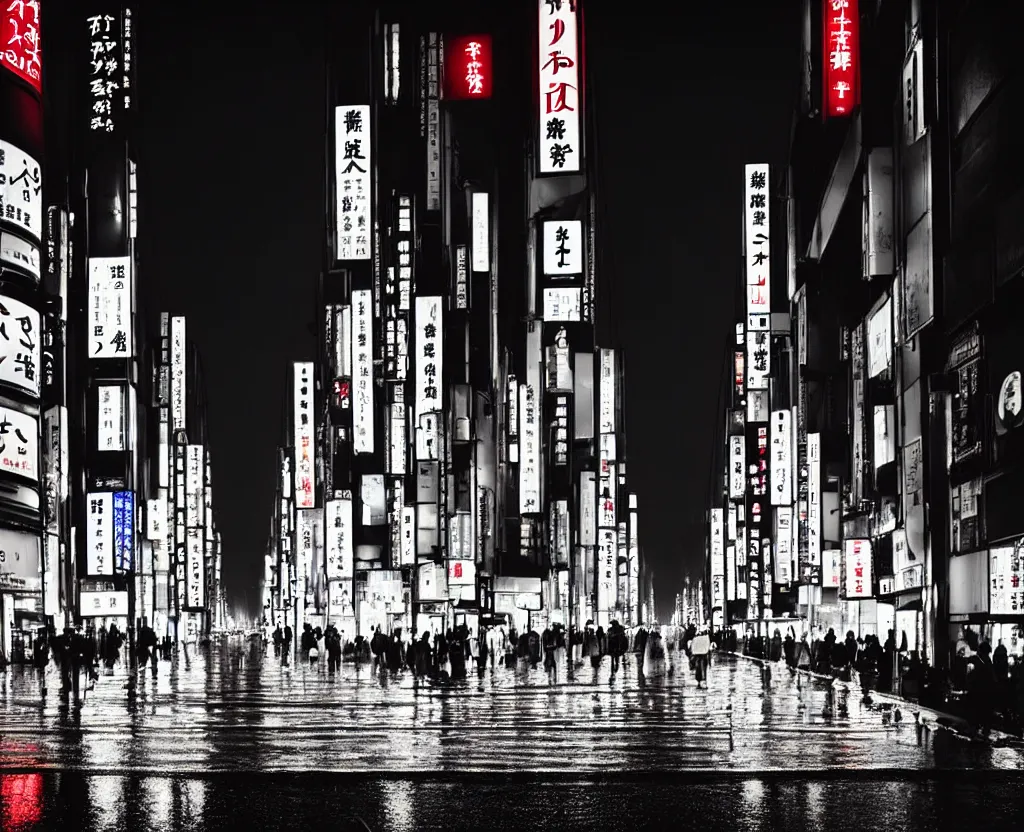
226 735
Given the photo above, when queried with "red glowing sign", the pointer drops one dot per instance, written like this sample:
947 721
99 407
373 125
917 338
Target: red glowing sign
840 56
19 41
456 570
467 67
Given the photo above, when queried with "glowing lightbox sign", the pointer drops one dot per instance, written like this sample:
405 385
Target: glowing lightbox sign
304 426
840 56
756 207
110 307
560 148
563 248
481 233
21 190
353 182
468 70
20 42
362 372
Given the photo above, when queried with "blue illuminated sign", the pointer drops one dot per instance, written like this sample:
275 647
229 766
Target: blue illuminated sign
124 530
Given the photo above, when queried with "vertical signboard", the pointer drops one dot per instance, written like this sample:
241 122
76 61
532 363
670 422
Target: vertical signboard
783 544
362 372
811 570
99 532
560 148
857 565
606 394
196 571
563 248
840 51
178 388
481 232
607 584
529 459
737 467
468 67
124 530
20 45
432 95
110 307
781 458
429 358
21 190
756 206
353 182
717 558
304 426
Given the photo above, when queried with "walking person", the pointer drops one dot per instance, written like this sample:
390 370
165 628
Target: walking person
700 648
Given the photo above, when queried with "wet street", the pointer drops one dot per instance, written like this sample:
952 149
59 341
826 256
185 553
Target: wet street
233 740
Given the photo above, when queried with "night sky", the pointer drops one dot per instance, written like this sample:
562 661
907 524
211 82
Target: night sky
231 230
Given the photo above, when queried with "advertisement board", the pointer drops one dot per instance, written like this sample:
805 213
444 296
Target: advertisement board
362 372
21 190
21 346
304 426
353 185
560 119
110 307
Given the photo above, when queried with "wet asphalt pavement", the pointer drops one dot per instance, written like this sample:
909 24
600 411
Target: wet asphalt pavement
232 740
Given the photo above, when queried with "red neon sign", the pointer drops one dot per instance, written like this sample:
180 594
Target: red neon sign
467 67
19 41
840 57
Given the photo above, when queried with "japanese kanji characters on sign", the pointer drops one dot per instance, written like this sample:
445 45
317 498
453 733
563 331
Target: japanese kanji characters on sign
481 232
606 392
813 564
20 47
758 363
19 254
110 418
432 95
104 72
195 569
124 530
737 467
304 426
563 248
607 585
562 303
19 444
468 67
757 213
362 372
781 459
103 604
429 357
21 190
110 307
559 147
461 279
857 557
840 56
20 345
177 373
99 538
353 188
529 458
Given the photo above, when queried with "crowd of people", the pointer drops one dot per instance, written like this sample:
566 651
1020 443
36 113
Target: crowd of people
982 684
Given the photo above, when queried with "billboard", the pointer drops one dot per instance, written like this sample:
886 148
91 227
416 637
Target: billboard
857 565
178 388
303 438
21 346
110 307
813 508
562 303
195 569
781 458
99 534
468 64
21 190
756 207
110 417
717 557
429 356
737 467
606 400
20 45
362 372
560 148
109 69
353 183
124 530
19 444
563 248
840 49
529 459
338 522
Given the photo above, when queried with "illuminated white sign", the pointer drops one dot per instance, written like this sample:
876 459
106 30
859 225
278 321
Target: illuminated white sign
194 486
756 207
814 500
481 233
20 345
563 248
607 578
105 604
831 567
353 184
461 278
304 425
21 190
18 253
429 356
99 533
588 508
737 467
606 420
562 303
857 557
529 461
783 544
559 148
717 557
338 520
758 363
1006 579
781 477
177 374
110 418
19 444
362 371
110 307
461 573
408 536
196 569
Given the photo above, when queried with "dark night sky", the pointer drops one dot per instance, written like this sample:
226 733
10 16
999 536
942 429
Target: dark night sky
231 200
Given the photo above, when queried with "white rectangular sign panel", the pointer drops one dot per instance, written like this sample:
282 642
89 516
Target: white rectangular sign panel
21 346
529 458
177 374
781 459
110 307
21 189
110 418
814 499
560 147
362 371
756 207
857 555
304 425
563 248
338 520
99 533
429 356
481 233
106 604
19 444
607 578
588 508
737 467
196 569
562 303
717 557
606 401
783 545
19 253
353 183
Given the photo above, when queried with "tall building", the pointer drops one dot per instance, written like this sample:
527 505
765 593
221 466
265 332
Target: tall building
457 445
26 419
892 344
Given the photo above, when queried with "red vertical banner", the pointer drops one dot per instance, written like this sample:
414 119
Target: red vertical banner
19 41
467 67
840 57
